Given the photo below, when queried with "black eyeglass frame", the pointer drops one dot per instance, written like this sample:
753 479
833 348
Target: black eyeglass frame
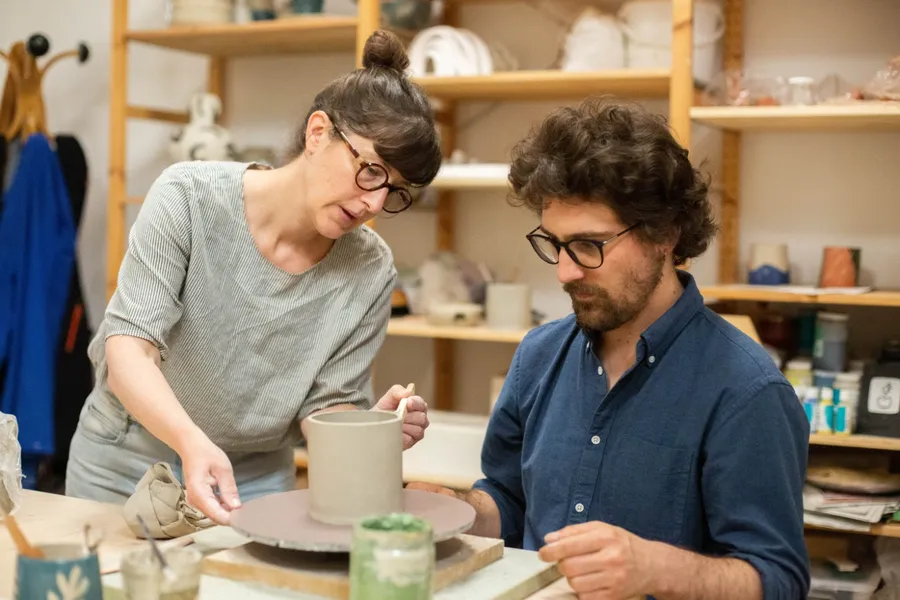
533 236
404 193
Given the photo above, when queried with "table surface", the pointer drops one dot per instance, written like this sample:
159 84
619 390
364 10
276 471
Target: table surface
51 518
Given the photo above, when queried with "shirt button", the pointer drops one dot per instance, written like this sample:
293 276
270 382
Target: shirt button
595 440
579 507
652 359
599 370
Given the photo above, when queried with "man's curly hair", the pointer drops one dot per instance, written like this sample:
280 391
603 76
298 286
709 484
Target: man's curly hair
624 157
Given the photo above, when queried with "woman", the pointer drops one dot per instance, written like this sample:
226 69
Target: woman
252 297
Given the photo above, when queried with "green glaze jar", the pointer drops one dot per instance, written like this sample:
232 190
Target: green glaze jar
392 556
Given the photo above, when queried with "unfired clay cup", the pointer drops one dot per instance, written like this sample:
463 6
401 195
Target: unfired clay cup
355 465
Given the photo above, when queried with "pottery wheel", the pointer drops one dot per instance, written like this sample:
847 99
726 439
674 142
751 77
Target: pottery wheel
283 520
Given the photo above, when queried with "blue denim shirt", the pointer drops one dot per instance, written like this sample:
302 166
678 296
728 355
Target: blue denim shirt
701 444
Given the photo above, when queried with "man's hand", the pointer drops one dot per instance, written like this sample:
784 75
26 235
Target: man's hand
416 421
432 487
600 561
207 470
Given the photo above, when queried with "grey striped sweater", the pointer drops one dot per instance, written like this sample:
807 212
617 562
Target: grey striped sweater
248 348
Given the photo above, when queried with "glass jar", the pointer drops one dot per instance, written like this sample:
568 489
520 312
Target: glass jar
143 578
392 556
802 92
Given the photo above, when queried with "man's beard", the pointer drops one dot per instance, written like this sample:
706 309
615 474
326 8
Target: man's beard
602 313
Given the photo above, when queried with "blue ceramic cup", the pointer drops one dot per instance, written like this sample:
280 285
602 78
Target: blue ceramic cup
68 572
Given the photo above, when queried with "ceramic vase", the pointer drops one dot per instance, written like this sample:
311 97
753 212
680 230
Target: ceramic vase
355 465
769 265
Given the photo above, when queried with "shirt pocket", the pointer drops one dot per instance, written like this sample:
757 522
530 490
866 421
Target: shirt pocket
647 489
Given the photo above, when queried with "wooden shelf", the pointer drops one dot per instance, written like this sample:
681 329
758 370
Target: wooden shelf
869 442
885 298
472 177
417 327
306 34
876 116
891 530
548 85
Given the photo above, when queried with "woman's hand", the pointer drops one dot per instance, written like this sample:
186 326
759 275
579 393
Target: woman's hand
416 413
209 480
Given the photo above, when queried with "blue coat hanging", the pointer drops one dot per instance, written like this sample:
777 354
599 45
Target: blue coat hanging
37 252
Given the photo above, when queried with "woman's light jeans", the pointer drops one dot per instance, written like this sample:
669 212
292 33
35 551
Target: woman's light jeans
110 452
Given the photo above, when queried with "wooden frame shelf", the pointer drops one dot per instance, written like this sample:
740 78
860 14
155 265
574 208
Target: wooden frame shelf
891 530
872 116
884 298
413 326
866 442
533 85
472 177
306 34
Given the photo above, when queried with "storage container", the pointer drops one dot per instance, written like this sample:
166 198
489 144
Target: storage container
827 583
647 26
879 395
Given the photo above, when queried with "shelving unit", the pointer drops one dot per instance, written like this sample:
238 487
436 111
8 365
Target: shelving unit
734 121
325 33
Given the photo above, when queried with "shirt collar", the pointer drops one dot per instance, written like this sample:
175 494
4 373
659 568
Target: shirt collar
659 336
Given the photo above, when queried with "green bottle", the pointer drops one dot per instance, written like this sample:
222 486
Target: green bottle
392 557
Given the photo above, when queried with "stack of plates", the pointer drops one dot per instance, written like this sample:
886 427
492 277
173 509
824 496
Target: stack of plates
196 12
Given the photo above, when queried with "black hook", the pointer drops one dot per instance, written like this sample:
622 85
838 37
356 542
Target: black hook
38 45
83 52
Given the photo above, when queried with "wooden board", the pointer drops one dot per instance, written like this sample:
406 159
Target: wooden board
519 575
327 574
528 85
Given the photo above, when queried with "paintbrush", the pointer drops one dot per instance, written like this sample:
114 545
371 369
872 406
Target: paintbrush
167 572
22 544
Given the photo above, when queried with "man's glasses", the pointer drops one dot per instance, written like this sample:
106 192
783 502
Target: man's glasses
585 253
372 176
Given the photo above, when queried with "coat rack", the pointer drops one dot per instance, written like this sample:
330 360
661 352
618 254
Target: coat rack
22 110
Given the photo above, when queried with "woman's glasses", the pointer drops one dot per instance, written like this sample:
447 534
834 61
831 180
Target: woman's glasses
372 176
584 252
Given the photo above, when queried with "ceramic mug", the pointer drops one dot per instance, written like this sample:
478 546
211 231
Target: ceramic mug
840 267
769 265
508 306
68 572
355 464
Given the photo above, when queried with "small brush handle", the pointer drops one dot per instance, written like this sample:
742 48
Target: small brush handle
401 407
24 548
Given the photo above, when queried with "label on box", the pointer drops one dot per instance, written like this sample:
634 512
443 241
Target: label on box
884 396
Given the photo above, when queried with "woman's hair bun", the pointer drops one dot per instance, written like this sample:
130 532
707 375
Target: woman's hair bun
384 49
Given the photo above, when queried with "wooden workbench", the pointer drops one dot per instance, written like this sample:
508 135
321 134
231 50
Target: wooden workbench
51 518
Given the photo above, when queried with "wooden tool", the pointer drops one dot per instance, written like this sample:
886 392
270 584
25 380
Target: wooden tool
401 407
22 544
328 574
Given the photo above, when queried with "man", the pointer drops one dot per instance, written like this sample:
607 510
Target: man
643 442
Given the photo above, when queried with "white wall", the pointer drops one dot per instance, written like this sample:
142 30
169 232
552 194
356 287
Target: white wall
807 190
